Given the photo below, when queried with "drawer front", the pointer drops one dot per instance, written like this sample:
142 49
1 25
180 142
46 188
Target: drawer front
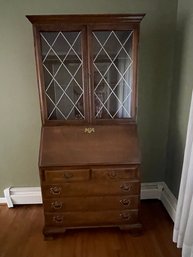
71 219
91 189
91 203
116 173
66 175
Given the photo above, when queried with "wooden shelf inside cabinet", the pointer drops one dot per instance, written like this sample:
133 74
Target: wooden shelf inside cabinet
89 157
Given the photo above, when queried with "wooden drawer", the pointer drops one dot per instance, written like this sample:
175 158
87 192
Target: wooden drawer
116 173
91 189
102 218
91 203
66 175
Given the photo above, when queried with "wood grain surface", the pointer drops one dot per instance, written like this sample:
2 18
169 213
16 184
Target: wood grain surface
21 236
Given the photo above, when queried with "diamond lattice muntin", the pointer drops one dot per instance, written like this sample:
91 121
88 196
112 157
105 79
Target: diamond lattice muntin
62 68
112 60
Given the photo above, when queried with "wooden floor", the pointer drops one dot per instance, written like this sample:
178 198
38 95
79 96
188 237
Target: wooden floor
20 236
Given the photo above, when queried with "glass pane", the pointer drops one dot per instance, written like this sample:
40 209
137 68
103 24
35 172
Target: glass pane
113 64
62 68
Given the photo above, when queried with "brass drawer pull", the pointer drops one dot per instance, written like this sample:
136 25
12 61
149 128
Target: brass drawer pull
125 202
68 175
57 205
55 190
125 187
112 174
125 216
57 219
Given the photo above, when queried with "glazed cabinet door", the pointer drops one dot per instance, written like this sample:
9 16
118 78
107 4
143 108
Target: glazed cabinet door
62 74
87 73
113 56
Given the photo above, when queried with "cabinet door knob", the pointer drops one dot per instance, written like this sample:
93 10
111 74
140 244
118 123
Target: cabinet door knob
55 190
125 216
125 202
125 187
58 219
56 205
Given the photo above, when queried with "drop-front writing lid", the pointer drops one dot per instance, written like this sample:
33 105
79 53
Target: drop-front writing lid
84 145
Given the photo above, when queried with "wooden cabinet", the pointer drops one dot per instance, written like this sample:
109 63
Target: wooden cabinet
89 154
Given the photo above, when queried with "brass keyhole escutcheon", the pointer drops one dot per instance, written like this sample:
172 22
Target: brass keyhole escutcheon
89 130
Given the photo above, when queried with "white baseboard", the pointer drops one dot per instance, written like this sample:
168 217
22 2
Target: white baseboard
151 190
160 191
32 195
169 201
2 200
22 195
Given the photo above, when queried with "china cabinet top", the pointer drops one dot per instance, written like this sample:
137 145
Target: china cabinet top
85 18
87 67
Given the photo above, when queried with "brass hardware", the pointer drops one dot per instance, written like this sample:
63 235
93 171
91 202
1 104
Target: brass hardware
56 205
125 202
68 175
112 174
55 190
125 216
125 187
89 130
58 219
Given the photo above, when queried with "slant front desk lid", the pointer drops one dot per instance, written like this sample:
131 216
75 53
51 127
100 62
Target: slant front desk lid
84 145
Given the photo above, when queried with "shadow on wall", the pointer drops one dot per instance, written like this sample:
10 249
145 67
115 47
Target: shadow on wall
154 99
179 110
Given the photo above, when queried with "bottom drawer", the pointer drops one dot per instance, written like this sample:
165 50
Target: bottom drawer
82 219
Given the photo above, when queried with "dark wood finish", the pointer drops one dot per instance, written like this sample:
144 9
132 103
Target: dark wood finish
91 203
25 239
125 27
91 188
109 198
89 168
70 145
111 174
86 24
66 175
85 18
40 75
97 218
135 66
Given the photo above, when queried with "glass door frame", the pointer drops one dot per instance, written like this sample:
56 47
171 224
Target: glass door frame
110 27
86 23
40 74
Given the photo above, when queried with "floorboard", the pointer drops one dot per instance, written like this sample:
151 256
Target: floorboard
21 236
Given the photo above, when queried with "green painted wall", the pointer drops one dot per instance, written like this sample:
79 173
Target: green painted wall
19 106
182 85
